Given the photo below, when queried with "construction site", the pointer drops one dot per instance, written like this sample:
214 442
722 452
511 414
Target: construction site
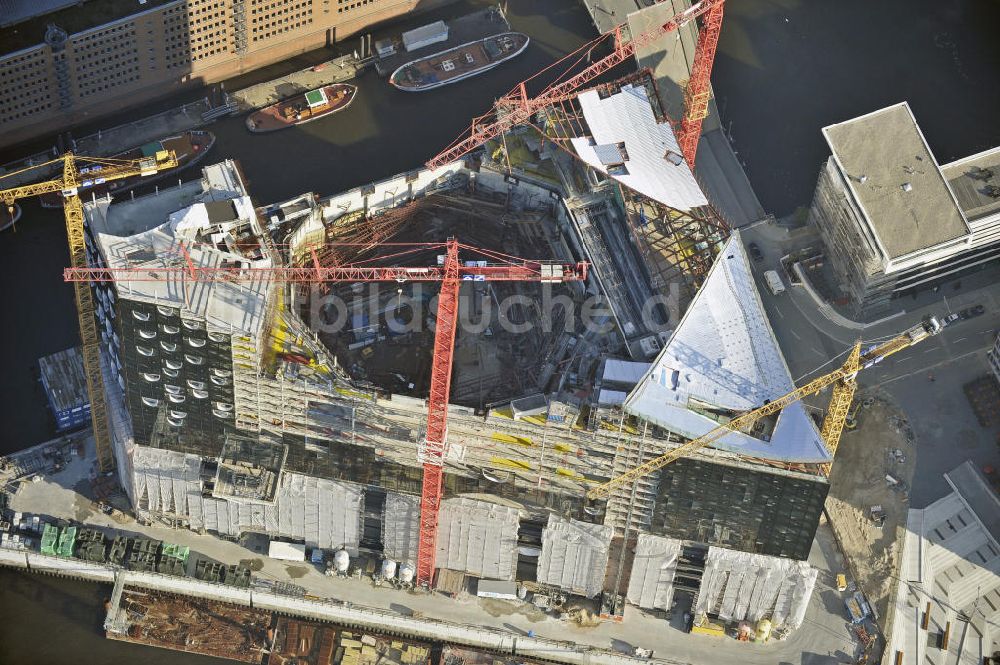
545 364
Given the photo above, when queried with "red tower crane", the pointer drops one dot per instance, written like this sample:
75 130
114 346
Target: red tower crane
497 267
516 107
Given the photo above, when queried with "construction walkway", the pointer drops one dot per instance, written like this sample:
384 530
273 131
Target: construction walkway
333 71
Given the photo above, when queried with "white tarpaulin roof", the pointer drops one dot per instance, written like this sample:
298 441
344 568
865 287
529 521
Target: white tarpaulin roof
626 117
401 527
574 555
724 354
651 584
626 372
323 513
478 537
743 586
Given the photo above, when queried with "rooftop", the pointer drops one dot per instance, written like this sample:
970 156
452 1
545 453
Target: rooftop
723 359
25 21
629 143
973 179
951 565
896 180
218 227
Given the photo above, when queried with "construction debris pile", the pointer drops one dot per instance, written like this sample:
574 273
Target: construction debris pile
194 625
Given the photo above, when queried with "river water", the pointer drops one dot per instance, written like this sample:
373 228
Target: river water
785 69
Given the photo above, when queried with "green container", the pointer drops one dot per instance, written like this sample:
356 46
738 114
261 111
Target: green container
179 552
50 539
67 538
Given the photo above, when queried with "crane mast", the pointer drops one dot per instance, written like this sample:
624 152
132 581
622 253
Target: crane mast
844 380
516 107
69 185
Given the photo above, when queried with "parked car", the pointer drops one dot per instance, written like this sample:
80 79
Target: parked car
755 252
970 312
950 319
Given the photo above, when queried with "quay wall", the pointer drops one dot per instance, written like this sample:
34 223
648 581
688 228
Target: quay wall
339 612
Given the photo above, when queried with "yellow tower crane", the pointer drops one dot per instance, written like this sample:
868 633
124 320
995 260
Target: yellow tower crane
843 380
90 172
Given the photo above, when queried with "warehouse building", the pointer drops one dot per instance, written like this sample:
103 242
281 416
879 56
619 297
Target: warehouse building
894 221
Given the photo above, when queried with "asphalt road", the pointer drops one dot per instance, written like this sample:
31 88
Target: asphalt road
947 432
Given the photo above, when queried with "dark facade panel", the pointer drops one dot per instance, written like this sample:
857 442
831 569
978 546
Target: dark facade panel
743 509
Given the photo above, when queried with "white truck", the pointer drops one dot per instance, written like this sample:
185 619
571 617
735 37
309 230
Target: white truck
774 282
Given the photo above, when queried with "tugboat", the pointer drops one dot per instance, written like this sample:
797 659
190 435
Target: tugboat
7 219
459 63
303 108
189 147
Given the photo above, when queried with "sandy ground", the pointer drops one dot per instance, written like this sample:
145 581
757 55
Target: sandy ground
858 482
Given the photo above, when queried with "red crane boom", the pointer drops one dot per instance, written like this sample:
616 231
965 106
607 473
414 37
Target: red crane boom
181 265
516 107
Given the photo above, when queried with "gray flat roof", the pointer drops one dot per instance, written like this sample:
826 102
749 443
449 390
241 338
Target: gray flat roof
896 180
978 496
970 179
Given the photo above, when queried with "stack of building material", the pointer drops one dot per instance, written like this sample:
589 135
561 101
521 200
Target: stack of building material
237 576
738 586
479 538
651 585
574 555
90 545
143 554
118 550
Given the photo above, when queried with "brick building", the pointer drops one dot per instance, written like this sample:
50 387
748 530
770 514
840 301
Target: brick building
102 55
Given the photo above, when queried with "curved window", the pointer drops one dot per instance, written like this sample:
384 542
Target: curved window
222 406
194 360
191 325
178 414
220 381
152 378
173 390
175 423
176 399
169 347
221 372
166 311
140 316
147 334
197 385
172 373
173 364
216 337
170 330
150 401
220 414
200 394
144 350
195 342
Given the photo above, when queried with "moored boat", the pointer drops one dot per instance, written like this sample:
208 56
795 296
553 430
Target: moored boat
459 63
308 106
7 219
189 147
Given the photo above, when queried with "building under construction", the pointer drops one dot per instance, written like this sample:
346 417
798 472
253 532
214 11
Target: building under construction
255 403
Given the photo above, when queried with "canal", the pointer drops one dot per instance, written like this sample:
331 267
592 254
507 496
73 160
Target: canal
785 69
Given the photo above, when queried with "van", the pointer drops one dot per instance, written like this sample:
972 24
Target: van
774 282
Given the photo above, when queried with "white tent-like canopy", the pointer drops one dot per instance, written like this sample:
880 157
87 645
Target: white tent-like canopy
723 356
